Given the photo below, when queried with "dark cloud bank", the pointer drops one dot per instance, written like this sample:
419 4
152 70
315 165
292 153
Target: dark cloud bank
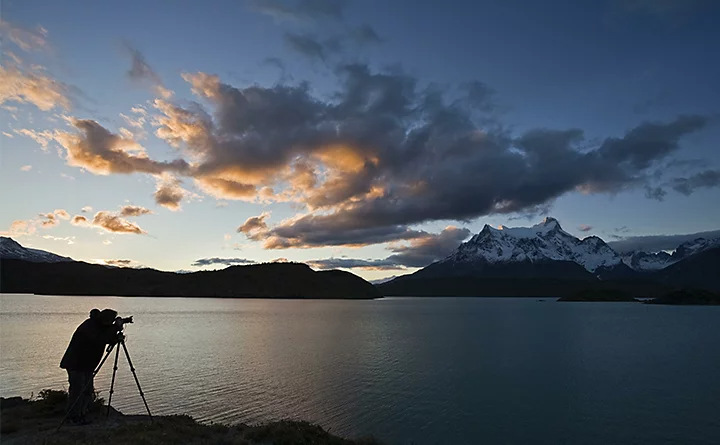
383 154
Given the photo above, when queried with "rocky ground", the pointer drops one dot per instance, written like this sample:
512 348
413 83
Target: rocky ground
35 421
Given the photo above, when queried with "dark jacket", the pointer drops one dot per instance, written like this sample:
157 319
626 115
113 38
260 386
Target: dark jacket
87 345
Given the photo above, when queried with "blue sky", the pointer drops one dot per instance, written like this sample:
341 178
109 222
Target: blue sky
604 67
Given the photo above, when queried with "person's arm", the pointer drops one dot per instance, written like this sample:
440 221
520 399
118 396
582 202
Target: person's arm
101 334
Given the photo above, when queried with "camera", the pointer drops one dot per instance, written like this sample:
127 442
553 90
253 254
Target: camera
120 321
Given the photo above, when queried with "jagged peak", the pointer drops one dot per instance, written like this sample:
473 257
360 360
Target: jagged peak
548 223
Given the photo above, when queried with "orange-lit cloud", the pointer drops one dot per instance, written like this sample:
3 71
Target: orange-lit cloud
43 138
131 210
20 228
26 168
52 219
169 192
255 227
35 88
99 151
79 220
115 224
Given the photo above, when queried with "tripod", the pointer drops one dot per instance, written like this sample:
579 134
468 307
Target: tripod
112 384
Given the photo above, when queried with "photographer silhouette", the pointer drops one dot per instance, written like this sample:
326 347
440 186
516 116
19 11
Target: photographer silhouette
83 355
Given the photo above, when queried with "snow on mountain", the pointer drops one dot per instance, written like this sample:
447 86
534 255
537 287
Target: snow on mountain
694 247
541 242
12 250
645 261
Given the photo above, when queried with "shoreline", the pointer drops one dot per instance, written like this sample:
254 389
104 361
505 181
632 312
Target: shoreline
35 421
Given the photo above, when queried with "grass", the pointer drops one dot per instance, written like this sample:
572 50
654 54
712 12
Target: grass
33 421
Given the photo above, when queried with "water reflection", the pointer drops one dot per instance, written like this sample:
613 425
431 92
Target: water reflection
408 370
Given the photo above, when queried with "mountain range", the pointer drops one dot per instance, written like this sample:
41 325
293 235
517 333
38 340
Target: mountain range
545 259
542 260
12 250
24 270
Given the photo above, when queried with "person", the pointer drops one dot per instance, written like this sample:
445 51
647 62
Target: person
83 355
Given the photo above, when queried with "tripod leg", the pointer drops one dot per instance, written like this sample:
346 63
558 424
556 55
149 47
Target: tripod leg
87 385
132 368
112 383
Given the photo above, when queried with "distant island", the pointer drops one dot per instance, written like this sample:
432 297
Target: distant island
34 421
272 280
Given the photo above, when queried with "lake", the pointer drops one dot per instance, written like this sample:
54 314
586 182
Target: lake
407 370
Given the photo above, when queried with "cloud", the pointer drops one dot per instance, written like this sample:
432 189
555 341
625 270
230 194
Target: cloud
121 263
26 168
25 39
141 72
86 209
429 248
22 86
115 224
109 221
386 154
656 193
419 252
255 227
377 157
67 239
107 242
306 45
48 220
223 261
703 179
656 243
365 34
349 263
20 228
43 138
7 135
79 220
101 152
584 228
307 11
309 231
62 214
131 210
169 192
53 218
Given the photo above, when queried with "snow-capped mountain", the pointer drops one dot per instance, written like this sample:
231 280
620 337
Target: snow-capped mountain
694 247
644 261
12 250
542 242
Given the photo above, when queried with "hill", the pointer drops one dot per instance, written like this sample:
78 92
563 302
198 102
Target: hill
272 280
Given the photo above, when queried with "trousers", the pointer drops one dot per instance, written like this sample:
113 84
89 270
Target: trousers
78 381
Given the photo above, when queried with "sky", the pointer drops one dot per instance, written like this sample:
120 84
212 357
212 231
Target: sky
368 135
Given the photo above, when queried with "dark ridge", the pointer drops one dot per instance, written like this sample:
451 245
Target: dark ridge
699 271
272 280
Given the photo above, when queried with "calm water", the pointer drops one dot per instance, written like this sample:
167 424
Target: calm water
422 371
